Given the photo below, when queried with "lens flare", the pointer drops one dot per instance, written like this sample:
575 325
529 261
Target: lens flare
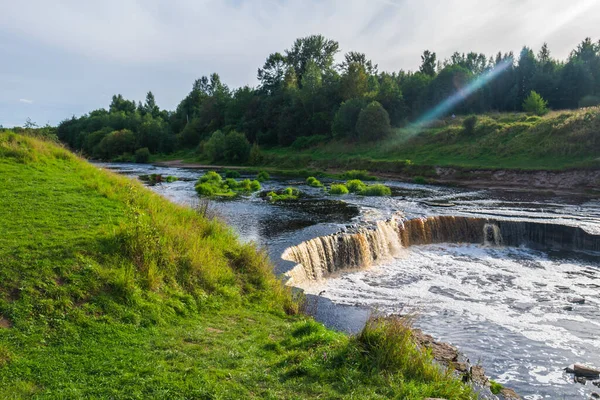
462 94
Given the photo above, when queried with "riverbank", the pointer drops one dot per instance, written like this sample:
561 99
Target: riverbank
109 290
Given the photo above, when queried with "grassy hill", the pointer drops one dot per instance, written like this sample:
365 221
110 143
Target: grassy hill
110 291
558 140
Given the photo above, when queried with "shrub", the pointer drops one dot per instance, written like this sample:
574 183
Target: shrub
211 176
284 195
212 185
214 148
589 101
237 147
116 143
256 157
495 387
358 174
171 179
314 182
344 122
263 176
338 189
305 142
231 174
469 124
373 123
376 190
142 156
535 104
355 186
420 180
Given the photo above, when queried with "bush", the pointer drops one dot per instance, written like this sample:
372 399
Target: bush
469 124
231 174
142 156
535 104
305 142
376 190
355 186
338 189
210 176
420 180
237 147
344 122
284 195
212 185
314 182
116 143
495 387
263 176
373 123
358 174
256 157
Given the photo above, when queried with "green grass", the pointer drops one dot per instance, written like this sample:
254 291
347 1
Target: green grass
558 140
212 184
110 291
338 189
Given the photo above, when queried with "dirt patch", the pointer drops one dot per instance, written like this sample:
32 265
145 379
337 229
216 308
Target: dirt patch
214 330
5 323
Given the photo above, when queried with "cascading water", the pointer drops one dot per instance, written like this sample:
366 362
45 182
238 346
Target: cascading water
323 256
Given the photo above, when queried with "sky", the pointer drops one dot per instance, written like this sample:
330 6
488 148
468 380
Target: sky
67 57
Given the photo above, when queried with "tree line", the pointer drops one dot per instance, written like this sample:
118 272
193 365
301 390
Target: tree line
304 97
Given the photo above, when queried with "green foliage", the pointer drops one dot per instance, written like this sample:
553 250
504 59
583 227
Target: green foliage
355 186
142 155
305 142
256 157
376 190
116 143
338 189
287 194
420 180
589 101
212 184
535 104
469 124
373 123
495 387
344 123
263 176
232 148
358 174
314 182
232 174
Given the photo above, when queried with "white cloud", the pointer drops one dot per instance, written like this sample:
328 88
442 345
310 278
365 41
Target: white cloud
26 101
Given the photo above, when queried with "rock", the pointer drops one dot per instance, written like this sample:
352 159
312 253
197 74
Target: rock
580 379
568 308
509 394
461 367
584 370
478 375
596 383
595 396
577 300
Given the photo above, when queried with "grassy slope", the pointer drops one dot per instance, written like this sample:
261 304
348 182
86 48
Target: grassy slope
559 140
109 291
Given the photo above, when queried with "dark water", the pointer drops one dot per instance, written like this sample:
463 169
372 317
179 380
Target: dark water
509 308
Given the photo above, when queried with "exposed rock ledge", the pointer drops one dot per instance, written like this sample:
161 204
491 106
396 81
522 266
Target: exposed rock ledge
449 356
572 180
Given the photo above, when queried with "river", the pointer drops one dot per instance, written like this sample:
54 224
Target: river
523 312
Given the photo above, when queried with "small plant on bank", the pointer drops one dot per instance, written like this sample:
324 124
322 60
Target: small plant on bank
469 125
420 180
535 104
212 185
338 189
358 174
495 387
314 182
263 176
142 156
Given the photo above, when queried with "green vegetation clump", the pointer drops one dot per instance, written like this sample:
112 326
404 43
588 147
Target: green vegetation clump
142 156
420 180
263 176
306 142
535 104
338 189
376 190
495 387
287 194
212 184
111 291
355 185
232 174
171 179
232 147
358 174
314 182
154 179
469 125
373 123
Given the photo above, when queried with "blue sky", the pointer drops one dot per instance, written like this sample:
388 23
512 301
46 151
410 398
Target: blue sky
67 57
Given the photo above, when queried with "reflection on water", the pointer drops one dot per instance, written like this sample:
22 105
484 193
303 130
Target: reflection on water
515 310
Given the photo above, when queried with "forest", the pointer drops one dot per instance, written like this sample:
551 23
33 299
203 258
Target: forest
304 98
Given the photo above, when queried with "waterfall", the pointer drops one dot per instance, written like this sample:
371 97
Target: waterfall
492 236
324 256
